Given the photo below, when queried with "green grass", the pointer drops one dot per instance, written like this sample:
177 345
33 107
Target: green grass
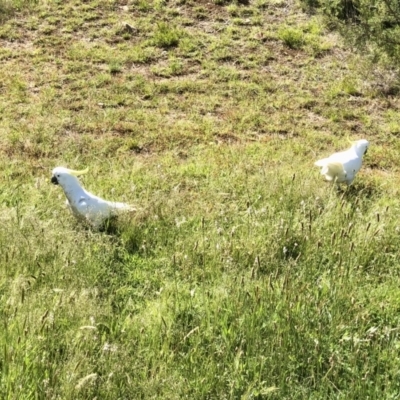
242 275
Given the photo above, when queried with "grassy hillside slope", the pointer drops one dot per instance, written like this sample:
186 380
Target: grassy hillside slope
242 275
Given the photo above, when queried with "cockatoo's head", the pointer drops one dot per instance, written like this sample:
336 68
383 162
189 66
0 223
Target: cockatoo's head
361 146
62 176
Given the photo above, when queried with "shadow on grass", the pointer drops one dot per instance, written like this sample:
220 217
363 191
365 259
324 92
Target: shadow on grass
130 232
359 189
7 10
111 227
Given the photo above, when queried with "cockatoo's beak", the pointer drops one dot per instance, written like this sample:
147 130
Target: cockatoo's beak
54 180
77 173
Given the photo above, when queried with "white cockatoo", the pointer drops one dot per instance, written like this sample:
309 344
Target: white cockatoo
84 205
343 166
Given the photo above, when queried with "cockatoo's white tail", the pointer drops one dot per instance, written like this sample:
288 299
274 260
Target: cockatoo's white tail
123 206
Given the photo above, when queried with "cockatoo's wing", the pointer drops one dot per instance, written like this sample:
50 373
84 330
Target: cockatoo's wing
352 166
97 210
81 209
332 170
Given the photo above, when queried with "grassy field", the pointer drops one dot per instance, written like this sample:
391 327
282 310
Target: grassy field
242 275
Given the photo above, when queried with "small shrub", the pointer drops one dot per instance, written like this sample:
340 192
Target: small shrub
174 68
166 36
292 37
144 6
115 67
